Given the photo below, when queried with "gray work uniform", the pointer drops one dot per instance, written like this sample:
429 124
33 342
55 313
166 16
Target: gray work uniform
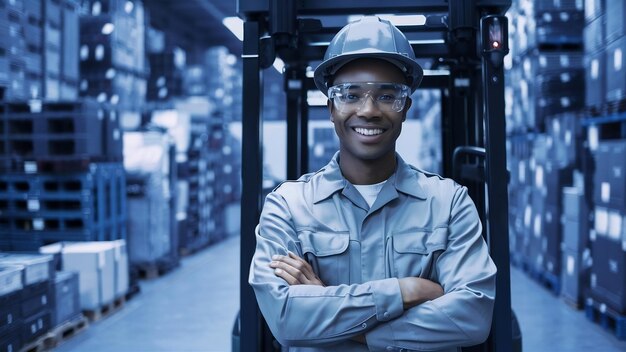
420 225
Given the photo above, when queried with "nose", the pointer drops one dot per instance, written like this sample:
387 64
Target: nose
369 108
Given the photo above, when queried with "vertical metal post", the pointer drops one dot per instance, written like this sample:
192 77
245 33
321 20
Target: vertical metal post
304 126
252 174
297 123
494 44
293 86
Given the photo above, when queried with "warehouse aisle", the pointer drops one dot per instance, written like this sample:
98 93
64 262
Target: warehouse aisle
548 324
191 309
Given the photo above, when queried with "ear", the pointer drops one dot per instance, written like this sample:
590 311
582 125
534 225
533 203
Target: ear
407 105
330 106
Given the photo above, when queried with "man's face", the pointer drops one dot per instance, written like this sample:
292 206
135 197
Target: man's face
368 130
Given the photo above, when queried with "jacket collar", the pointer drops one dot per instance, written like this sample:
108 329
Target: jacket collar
404 179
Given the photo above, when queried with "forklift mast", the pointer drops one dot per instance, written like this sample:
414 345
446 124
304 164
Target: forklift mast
468 38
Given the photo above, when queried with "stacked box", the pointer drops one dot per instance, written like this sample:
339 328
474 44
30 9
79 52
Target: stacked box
608 247
52 132
609 180
112 55
120 264
149 196
28 312
608 250
95 264
66 297
40 208
10 309
13 62
166 75
576 254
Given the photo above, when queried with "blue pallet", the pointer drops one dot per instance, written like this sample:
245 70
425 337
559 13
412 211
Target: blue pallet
32 240
607 318
96 201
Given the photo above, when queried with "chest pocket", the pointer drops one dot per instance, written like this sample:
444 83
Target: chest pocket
327 252
415 253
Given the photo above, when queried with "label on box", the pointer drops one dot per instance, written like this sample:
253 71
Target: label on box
549 217
35 106
613 267
527 216
38 224
617 59
570 265
521 167
592 235
30 167
594 280
537 226
595 68
615 225
592 137
33 205
605 192
568 138
601 221
539 176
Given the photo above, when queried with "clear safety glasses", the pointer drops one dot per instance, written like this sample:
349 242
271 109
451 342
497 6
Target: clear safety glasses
351 97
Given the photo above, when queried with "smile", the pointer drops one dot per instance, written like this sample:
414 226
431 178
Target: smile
369 131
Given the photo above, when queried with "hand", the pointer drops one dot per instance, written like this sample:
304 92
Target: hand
416 291
294 270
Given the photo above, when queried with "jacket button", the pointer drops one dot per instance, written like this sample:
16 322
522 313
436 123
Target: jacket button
364 325
386 315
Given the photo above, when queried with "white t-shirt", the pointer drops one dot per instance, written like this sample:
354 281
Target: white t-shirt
370 192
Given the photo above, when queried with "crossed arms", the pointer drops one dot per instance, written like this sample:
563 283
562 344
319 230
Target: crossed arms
408 312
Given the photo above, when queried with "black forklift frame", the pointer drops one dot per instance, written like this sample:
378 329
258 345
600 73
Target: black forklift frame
472 117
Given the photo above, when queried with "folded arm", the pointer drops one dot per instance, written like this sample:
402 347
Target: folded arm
462 316
310 314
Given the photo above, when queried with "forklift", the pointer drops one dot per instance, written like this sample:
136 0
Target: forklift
468 39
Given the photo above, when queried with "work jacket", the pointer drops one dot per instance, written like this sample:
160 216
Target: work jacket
420 225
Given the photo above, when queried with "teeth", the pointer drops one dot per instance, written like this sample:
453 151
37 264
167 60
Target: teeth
368 131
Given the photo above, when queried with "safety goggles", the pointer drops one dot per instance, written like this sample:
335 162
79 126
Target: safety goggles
350 97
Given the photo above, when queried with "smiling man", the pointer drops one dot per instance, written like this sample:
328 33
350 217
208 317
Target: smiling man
370 253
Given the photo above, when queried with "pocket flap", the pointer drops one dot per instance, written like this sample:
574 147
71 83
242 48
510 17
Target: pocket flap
323 244
420 241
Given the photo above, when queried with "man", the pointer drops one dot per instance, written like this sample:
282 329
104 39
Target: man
370 253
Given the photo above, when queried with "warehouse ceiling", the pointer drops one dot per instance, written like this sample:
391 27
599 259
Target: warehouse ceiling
195 23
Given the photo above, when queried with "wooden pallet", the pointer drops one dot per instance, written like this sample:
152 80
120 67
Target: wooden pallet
105 310
38 345
607 318
66 331
544 278
574 304
153 270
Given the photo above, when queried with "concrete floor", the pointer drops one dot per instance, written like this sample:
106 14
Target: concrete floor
193 309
